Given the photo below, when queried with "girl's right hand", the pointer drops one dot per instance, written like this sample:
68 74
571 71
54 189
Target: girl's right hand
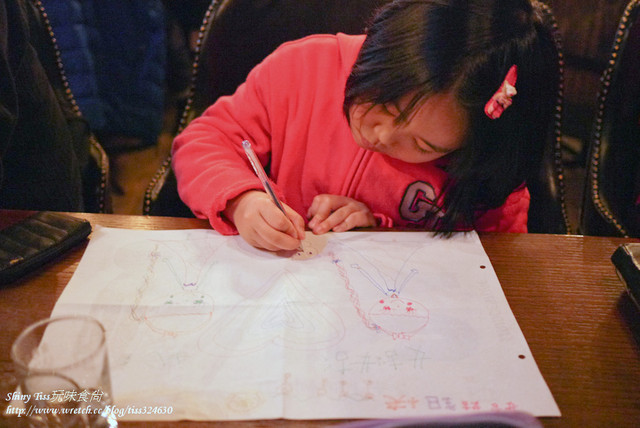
262 224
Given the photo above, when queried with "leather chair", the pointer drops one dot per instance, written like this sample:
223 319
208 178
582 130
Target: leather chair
235 37
548 211
612 182
95 177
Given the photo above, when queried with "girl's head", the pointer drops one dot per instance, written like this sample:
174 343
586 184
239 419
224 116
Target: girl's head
421 82
435 127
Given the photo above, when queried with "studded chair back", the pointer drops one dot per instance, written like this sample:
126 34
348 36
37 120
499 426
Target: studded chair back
611 205
547 211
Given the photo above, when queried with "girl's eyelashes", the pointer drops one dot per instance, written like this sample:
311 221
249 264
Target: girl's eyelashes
425 147
420 148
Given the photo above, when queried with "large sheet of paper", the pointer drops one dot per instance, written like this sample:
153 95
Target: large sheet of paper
353 325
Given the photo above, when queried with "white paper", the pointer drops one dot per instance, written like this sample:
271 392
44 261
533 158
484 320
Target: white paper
355 325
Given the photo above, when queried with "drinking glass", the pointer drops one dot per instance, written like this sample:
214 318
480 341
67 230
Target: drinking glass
63 371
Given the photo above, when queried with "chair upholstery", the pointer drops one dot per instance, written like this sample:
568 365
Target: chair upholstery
547 211
95 178
612 182
231 26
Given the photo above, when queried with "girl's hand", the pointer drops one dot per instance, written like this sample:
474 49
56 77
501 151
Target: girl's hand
262 224
338 213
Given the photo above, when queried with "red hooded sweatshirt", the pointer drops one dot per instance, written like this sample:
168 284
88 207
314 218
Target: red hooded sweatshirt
290 109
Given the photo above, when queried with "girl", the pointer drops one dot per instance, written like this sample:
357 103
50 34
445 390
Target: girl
427 121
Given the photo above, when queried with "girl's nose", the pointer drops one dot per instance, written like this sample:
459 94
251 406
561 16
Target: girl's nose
385 132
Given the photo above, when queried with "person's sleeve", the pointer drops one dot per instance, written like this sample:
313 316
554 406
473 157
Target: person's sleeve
208 159
512 216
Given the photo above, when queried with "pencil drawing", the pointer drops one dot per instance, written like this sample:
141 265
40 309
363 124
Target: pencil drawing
287 314
169 300
350 325
398 317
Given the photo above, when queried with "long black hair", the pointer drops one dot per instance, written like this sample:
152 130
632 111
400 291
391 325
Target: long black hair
424 47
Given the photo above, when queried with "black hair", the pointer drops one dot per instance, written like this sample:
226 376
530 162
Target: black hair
424 47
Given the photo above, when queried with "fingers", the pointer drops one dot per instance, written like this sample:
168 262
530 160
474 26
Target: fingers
296 221
321 208
271 230
338 213
343 219
263 225
270 239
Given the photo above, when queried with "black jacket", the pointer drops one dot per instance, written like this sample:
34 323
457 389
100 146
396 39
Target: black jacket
43 139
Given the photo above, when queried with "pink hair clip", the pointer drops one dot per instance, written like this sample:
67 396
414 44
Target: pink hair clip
502 99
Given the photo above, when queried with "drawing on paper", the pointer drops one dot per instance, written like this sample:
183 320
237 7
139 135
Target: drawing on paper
372 325
244 402
283 312
180 266
399 317
310 247
343 389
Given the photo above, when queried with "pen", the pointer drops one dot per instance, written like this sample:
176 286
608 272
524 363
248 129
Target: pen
262 175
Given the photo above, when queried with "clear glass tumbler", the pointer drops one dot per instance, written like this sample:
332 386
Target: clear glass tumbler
63 371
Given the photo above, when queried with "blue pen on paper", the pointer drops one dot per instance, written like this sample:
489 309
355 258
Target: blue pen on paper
262 175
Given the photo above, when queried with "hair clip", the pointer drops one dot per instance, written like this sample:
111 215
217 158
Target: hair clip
502 99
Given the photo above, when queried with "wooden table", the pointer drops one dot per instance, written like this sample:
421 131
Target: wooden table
580 324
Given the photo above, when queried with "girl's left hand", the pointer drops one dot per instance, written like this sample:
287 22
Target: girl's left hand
338 213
